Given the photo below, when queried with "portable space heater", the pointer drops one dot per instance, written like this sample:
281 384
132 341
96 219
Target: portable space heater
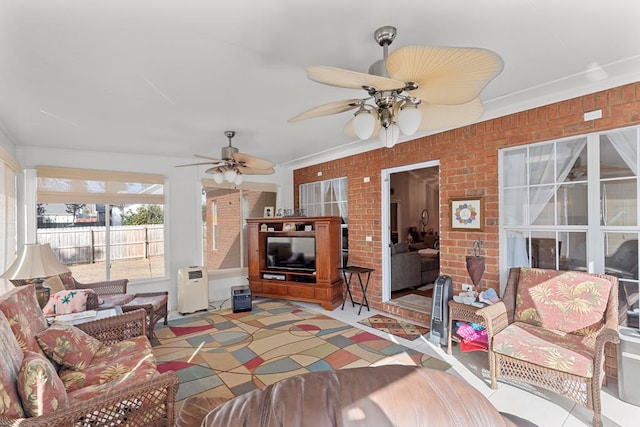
193 289
442 293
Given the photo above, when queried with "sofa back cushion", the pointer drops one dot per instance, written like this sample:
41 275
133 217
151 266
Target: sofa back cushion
399 248
39 386
10 361
566 301
25 317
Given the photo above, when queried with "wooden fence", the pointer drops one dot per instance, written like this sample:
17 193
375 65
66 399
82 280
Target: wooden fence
86 245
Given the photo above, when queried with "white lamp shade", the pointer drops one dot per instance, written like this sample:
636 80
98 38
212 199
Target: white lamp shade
230 175
390 136
238 179
218 177
35 261
409 119
364 124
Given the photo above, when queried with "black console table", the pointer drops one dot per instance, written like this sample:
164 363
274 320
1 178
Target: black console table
347 273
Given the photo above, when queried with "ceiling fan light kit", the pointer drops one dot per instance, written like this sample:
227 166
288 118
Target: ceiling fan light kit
233 164
414 88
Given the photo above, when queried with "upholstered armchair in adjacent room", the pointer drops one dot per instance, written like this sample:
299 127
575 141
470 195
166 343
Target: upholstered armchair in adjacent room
550 330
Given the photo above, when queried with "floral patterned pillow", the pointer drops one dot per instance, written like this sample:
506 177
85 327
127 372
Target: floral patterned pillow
566 301
68 345
40 388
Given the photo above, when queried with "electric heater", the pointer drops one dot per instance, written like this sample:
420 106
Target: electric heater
442 294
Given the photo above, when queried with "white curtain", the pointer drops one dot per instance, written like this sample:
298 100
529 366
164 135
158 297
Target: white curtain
8 220
627 147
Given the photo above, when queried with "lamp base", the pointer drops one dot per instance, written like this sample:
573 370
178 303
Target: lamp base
42 294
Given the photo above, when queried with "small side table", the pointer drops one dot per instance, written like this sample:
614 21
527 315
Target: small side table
463 313
358 271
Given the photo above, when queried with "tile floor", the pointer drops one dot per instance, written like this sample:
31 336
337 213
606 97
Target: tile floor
543 408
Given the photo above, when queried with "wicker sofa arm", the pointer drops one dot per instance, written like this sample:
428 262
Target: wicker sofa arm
107 287
149 402
117 328
495 318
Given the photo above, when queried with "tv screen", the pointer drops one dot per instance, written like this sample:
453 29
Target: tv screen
291 253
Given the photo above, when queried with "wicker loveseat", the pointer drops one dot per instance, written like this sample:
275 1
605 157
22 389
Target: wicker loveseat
96 374
550 330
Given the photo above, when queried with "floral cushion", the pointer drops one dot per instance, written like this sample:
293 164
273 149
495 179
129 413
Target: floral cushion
55 284
68 345
565 301
554 349
65 302
118 370
39 386
10 361
136 375
21 309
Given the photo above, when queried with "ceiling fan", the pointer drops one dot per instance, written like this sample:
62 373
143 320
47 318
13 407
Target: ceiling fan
414 88
233 165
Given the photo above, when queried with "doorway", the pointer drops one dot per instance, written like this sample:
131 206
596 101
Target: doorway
410 224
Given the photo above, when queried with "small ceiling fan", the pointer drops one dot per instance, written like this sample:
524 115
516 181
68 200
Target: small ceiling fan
414 88
233 165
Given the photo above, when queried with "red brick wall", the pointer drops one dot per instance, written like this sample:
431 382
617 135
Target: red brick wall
469 167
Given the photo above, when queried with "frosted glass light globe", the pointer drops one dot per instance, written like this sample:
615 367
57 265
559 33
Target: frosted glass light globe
409 119
364 124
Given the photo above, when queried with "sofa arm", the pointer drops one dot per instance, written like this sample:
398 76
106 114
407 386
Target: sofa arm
405 270
495 318
107 287
145 402
117 328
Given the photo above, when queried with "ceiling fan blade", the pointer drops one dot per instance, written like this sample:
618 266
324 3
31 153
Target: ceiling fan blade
195 164
255 171
327 109
214 159
445 75
248 161
350 79
437 116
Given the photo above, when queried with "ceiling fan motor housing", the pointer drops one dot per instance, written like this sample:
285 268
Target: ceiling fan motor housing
228 151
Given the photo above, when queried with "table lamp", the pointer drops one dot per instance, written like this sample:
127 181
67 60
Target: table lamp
36 262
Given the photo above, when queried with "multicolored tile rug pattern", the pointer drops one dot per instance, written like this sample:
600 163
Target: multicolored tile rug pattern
395 327
228 354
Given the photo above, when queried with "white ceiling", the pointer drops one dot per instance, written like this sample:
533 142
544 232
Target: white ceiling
169 77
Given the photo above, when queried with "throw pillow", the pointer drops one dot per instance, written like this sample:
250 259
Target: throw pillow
55 284
65 302
41 389
68 345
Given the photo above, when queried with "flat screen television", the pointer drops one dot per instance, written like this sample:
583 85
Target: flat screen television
297 253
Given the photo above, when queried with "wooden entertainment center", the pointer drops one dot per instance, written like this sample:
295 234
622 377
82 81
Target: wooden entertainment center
296 258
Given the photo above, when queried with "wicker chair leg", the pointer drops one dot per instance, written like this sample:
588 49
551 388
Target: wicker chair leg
492 369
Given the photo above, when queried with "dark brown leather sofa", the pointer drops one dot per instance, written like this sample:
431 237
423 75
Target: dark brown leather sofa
393 395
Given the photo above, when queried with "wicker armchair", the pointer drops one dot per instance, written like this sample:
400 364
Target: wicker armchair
565 357
110 292
146 400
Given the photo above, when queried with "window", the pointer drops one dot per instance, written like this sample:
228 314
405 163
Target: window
103 225
573 205
226 211
8 221
328 198
325 198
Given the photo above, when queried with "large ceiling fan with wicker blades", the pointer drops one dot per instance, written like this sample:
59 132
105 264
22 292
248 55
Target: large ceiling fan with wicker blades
233 165
414 88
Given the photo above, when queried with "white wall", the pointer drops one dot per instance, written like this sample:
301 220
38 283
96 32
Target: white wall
183 231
